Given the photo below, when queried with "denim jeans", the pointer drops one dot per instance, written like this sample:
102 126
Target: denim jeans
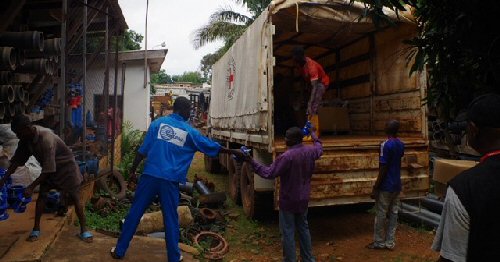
288 223
387 208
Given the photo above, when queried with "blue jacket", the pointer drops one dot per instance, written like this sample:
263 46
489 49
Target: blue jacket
169 148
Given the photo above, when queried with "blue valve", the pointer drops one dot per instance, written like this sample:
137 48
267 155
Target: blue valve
306 130
245 150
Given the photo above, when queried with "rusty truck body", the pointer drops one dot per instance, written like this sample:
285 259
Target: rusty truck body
368 68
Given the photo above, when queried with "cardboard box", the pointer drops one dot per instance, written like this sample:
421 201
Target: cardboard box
334 119
440 189
446 169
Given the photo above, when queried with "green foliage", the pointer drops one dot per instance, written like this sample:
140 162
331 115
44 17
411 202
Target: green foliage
458 45
226 25
109 222
191 76
131 140
161 78
131 41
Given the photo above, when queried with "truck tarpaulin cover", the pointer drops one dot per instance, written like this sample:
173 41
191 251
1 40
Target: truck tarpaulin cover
241 84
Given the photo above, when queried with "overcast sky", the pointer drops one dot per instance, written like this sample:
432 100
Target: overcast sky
173 22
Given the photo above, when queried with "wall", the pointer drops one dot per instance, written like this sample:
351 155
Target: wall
136 99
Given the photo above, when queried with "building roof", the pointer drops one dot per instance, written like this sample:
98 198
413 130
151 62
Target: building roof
155 57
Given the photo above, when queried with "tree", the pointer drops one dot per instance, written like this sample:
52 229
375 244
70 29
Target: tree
131 41
191 77
207 62
226 25
161 78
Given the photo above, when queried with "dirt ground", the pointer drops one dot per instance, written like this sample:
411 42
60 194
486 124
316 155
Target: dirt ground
338 233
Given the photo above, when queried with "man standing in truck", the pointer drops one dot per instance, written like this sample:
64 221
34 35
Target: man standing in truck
295 168
313 72
469 227
387 188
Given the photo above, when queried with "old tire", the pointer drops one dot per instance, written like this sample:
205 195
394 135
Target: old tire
113 183
234 170
247 190
211 164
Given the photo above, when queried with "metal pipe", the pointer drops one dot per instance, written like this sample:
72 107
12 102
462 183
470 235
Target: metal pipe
20 57
11 109
433 205
7 58
61 90
2 110
26 100
420 211
7 93
113 128
201 188
23 40
37 65
5 77
106 78
20 108
84 87
418 219
18 91
186 188
146 48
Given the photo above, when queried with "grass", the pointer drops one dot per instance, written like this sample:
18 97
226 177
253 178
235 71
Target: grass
109 222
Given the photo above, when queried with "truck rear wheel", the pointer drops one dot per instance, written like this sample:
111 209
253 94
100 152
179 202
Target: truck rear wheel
234 170
211 164
247 190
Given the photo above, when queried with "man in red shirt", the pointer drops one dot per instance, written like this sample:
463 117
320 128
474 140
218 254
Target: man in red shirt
314 72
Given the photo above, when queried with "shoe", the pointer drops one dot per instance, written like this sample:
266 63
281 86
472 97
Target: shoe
372 245
113 254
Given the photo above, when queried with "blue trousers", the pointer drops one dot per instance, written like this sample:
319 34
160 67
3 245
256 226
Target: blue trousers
288 223
148 188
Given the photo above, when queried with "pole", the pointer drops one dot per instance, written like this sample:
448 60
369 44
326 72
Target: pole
113 128
106 78
84 87
146 48
61 90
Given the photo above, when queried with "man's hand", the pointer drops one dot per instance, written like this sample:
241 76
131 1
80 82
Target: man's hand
28 192
240 155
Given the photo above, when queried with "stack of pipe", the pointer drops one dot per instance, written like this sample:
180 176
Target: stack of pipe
25 53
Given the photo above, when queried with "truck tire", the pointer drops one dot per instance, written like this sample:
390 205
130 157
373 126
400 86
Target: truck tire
247 190
234 170
211 164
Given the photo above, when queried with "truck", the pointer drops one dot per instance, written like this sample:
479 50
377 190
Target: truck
256 94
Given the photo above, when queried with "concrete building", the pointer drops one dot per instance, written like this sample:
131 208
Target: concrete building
133 98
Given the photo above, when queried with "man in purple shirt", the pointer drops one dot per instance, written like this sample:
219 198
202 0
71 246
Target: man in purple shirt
295 168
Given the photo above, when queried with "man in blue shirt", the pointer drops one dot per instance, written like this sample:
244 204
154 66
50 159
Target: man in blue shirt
387 187
169 148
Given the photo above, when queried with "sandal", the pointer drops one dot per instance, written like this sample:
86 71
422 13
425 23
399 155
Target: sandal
86 237
372 245
34 236
113 254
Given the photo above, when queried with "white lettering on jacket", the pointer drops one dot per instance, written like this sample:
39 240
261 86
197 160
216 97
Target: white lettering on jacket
172 135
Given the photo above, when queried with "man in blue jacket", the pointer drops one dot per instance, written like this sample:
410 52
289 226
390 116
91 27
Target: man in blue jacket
169 148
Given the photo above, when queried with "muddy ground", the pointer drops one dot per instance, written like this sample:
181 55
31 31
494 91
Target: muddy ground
338 233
